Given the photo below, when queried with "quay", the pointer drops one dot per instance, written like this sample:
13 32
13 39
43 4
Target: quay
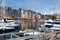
19 16
20 36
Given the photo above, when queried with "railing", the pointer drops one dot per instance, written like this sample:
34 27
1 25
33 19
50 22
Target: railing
21 36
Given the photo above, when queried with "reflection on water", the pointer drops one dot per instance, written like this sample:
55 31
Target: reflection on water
42 22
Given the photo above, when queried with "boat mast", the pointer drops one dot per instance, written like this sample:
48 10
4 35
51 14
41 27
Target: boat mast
2 8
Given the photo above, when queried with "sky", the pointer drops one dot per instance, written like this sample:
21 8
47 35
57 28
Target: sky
42 6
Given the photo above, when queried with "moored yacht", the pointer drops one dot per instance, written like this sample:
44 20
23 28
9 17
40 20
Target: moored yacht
54 25
8 25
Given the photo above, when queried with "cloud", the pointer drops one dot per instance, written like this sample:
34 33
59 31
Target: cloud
44 6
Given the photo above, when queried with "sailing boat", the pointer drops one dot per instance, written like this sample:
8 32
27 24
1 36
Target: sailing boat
6 25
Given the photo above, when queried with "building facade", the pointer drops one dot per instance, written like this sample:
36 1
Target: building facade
28 19
57 17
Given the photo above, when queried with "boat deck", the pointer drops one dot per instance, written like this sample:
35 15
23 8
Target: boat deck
20 36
